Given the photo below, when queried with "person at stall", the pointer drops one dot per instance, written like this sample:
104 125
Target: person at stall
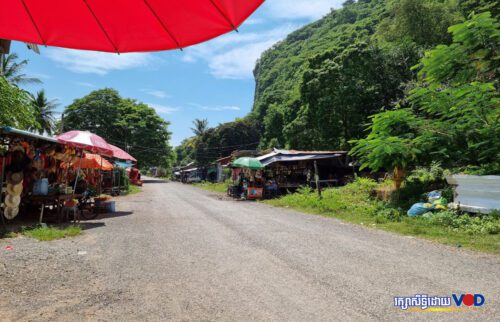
81 185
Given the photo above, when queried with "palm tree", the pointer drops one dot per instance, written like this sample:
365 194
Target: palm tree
44 112
200 127
12 71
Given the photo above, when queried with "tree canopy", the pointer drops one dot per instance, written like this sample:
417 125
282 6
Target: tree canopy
454 109
15 107
317 88
131 125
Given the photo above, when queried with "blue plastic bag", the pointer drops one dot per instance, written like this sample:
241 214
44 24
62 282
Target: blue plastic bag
419 209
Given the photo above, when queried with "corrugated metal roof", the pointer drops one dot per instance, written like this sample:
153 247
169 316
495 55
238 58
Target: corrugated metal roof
295 155
308 152
16 132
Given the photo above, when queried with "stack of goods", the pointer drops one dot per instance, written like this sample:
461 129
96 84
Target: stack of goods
13 194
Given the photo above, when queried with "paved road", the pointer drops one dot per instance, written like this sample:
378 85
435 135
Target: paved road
179 253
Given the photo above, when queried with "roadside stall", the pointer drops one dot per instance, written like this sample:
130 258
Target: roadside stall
291 169
89 203
248 181
31 177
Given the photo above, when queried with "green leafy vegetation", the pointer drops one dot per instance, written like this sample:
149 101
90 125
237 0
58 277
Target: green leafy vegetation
123 122
209 144
355 203
317 88
132 189
44 110
15 109
19 108
46 233
215 187
453 109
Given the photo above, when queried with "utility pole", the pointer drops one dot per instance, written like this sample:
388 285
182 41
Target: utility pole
316 178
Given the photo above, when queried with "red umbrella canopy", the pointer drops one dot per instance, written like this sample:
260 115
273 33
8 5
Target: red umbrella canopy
87 141
121 25
120 154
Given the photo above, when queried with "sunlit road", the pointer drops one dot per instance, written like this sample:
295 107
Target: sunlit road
179 253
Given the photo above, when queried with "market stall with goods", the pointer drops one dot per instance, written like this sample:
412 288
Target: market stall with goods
53 178
30 174
248 182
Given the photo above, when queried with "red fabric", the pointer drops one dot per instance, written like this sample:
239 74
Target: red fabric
87 141
121 25
120 154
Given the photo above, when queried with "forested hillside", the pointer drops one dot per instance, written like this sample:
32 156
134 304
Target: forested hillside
322 86
317 88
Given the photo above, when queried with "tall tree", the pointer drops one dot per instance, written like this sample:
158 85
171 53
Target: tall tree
44 110
129 124
200 127
13 70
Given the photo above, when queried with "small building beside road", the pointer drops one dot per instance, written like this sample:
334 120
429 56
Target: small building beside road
291 169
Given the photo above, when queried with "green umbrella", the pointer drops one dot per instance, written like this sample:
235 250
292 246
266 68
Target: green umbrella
250 163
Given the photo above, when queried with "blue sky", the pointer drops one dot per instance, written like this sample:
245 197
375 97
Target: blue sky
212 80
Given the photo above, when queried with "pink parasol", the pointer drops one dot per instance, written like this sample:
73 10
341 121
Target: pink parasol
120 154
85 140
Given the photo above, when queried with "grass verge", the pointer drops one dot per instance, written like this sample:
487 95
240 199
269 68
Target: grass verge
215 187
132 189
46 233
354 203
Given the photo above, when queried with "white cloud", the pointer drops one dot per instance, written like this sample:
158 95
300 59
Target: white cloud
92 62
218 108
233 56
84 84
161 109
231 65
253 21
156 93
306 9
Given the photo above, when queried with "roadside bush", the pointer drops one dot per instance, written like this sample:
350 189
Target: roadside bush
387 213
350 199
486 224
419 182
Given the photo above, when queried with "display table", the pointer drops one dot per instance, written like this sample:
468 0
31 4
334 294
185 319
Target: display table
55 200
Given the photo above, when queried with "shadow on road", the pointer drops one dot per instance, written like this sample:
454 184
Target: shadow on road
149 181
114 215
91 225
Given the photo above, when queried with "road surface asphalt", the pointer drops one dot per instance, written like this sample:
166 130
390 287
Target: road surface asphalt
175 252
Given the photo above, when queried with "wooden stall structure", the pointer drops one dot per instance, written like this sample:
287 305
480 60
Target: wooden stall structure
291 169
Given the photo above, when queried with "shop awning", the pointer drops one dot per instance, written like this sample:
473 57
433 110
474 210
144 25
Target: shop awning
121 26
293 155
291 158
16 132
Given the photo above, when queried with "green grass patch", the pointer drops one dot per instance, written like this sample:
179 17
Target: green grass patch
354 203
215 187
132 189
46 233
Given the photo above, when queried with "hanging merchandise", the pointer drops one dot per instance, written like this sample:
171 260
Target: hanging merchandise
12 201
10 213
14 190
15 178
